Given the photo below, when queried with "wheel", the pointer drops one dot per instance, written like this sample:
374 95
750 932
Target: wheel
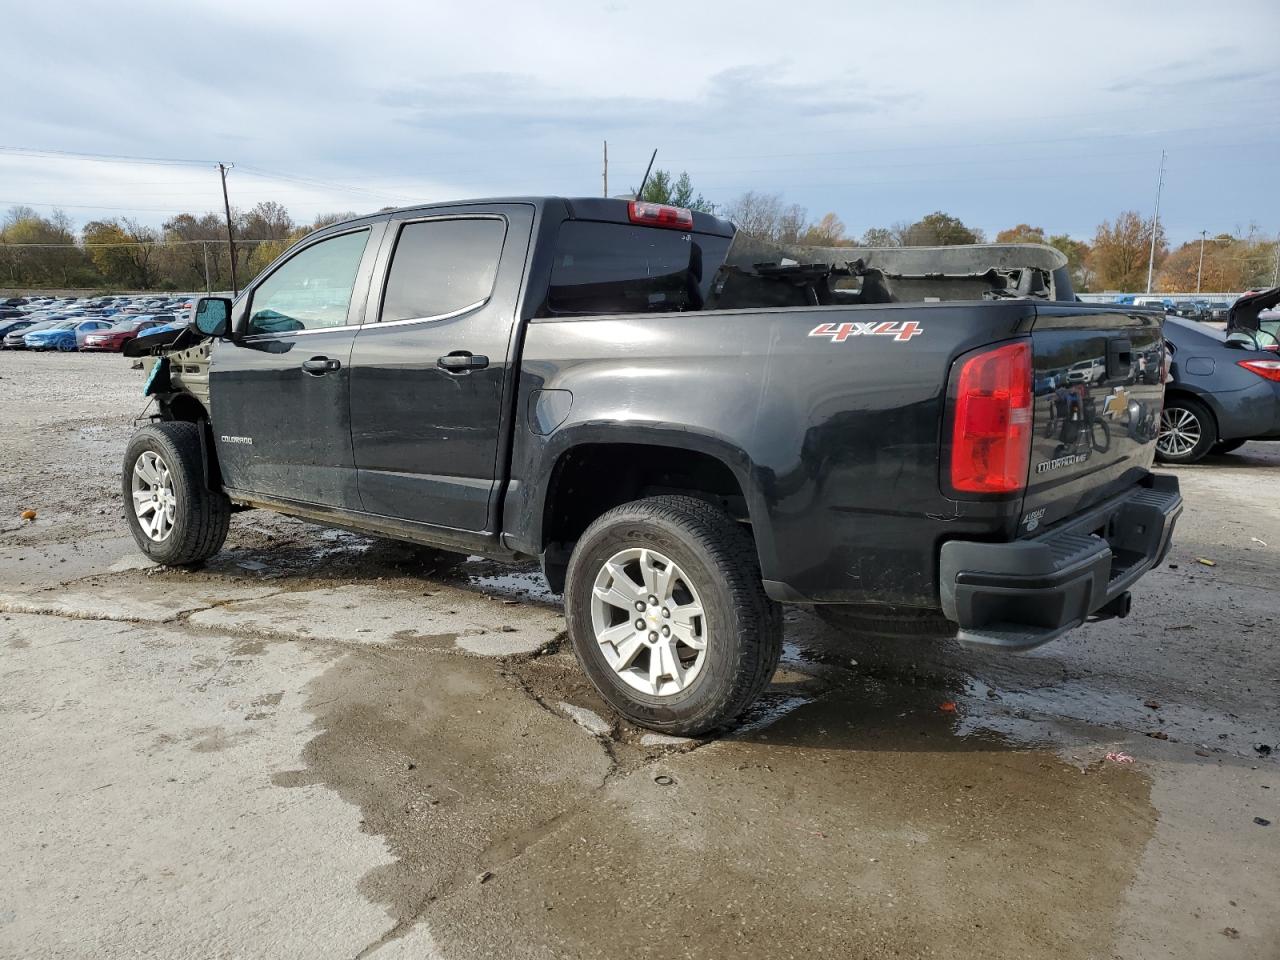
174 517
1187 431
1226 446
885 621
668 615
66 347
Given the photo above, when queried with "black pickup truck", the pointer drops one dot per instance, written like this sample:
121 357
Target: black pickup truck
687 426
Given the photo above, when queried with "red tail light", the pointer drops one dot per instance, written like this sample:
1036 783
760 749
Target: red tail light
660 215
1270 369
991 438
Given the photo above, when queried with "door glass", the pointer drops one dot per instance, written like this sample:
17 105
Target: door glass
312 290
443 266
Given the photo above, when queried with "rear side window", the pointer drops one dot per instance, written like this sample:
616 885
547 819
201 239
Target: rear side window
442 267
621 268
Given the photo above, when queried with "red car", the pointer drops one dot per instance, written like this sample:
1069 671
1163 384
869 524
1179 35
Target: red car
115 337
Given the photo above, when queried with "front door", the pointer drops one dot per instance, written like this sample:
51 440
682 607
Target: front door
429 378
280 391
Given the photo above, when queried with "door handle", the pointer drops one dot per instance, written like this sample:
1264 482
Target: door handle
319 366
462 361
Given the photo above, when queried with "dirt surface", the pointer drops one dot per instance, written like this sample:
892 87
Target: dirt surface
323 745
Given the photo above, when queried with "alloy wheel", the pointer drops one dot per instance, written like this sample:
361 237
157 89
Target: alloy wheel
1180 432
154 500
649 622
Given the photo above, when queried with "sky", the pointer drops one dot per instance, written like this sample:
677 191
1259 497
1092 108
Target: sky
1053 114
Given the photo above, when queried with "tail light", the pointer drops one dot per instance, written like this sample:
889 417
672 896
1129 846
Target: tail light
991 436
660 215
1269 369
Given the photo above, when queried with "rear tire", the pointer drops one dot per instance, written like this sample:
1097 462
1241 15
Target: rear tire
885 621
668 615
1187 431
173 515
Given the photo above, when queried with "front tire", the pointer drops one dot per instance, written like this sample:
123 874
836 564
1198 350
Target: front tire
173 515
1187 431
668 616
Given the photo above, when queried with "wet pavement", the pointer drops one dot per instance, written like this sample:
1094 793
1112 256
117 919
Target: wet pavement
321 745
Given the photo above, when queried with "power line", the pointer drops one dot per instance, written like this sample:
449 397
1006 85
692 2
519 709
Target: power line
101 157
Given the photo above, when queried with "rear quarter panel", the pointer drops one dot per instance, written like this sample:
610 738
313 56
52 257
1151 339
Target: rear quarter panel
834 439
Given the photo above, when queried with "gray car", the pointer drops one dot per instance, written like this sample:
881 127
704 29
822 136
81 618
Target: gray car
1225 392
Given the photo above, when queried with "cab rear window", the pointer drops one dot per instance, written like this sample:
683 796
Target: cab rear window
623 268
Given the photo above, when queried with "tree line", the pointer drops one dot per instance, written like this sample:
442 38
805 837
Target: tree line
189 249
184 253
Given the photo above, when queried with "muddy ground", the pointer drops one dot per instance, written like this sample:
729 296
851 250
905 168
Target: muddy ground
319 746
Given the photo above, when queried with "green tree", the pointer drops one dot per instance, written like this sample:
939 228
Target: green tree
939 229
661 187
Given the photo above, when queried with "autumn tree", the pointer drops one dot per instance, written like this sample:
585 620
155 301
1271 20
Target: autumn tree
1120 251
1077 254
40 251
1022 233
124 251
827 232
1231 263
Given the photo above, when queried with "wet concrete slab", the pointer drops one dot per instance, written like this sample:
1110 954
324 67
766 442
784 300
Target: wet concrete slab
358 614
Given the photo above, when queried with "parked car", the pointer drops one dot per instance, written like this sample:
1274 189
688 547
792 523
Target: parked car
1192 310
14 326
16 339
1218 310
1224 392
118 334
689 427
57 336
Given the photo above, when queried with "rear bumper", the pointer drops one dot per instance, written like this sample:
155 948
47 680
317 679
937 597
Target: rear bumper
1018 595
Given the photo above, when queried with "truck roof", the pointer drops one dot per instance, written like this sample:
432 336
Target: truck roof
609 209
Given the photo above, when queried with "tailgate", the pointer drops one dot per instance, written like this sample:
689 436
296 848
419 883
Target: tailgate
1098 395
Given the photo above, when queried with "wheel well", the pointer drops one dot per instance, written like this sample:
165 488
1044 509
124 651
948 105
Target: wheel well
183 406
1175 393
576 494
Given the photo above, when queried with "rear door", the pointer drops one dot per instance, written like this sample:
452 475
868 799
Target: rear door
1098 394
430 374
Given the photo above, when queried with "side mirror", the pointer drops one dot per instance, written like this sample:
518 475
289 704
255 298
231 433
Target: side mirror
213 316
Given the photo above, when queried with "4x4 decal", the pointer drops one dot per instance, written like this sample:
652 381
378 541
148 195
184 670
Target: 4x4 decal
840 332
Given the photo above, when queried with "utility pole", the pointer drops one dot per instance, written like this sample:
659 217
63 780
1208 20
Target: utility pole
204 244
1200 269
606 168
231 243
1155 224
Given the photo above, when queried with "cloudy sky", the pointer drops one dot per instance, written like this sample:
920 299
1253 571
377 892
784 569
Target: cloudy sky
1049 113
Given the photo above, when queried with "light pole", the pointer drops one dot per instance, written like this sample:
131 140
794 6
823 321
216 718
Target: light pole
1200 269
1155 224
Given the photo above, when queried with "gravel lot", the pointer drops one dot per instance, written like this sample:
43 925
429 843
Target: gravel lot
316 746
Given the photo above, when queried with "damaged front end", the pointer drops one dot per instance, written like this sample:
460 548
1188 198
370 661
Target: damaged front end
177 365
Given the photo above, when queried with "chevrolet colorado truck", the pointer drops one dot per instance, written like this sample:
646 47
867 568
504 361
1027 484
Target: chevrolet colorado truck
688 426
